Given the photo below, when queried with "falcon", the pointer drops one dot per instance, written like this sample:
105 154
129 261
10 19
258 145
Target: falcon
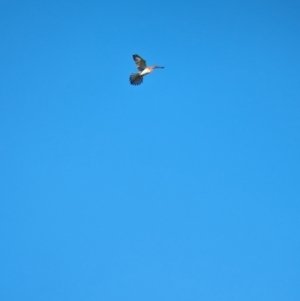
137 78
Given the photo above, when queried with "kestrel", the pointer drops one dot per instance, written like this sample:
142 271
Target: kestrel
137 78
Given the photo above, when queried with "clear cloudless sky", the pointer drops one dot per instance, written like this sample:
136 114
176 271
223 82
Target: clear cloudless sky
186 187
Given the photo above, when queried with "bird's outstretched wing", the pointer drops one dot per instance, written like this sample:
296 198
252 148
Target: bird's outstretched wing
140 62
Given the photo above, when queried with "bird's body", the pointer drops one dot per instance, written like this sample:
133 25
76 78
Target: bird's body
137 78
146 71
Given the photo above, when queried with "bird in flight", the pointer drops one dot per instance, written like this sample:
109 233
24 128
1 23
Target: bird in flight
137 78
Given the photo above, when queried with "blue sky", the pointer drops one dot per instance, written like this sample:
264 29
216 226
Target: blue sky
183 188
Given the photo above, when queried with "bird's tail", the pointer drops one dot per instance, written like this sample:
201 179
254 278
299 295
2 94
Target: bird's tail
135 79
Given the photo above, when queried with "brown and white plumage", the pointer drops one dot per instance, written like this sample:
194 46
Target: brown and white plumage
140 62
137 78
